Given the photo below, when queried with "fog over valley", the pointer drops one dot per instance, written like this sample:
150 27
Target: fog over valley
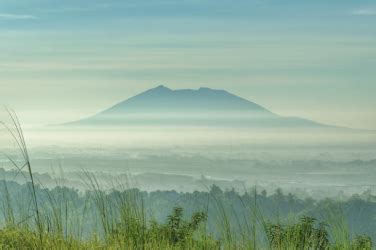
236 144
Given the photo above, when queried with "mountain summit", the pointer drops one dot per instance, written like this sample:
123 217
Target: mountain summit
163 99
190 107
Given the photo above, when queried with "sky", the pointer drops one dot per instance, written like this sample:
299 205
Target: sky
64 60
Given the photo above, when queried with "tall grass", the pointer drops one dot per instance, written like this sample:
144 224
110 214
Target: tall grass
52 220
16 133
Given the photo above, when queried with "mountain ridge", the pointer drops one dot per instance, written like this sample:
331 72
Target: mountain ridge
192 107
162 98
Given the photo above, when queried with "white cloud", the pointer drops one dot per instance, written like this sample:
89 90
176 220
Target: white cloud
8 16
365 12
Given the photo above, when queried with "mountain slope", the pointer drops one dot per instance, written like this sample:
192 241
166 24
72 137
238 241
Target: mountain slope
202 107
162 99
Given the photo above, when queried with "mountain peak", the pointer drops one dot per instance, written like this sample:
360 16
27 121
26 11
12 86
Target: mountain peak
203 106
161 87
203 100
206 89
201 89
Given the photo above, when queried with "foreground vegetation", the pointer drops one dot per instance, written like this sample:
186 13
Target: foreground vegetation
131 219
120 222
62 218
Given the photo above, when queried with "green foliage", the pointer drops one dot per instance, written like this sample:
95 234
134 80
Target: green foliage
179 230
303 235
361 242
16 238
308 234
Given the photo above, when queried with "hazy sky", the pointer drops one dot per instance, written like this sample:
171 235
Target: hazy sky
61 60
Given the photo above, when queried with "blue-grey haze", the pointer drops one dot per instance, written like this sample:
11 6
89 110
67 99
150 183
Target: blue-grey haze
63 60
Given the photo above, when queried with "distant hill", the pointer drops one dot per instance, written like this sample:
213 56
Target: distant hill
201 107
163 99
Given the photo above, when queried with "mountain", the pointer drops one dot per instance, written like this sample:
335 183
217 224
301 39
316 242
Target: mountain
163 99
202 107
